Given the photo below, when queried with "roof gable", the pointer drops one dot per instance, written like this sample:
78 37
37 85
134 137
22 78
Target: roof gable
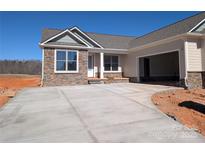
199 28
104 40
67 39
60 34
76 31
94 40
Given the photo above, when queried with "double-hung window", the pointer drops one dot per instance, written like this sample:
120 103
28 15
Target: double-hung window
111 63
66 61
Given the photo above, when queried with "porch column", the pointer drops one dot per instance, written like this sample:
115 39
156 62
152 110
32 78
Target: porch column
101 65
138 69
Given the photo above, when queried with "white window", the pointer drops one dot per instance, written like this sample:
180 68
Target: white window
111 63
66 61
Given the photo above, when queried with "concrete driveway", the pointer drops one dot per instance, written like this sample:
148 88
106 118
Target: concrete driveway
90 113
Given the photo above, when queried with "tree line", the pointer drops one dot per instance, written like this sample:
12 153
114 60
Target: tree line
32 67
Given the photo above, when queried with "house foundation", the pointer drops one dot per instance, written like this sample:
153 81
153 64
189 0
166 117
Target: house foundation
196 80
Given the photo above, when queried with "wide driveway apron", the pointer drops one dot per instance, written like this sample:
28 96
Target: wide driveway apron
90 113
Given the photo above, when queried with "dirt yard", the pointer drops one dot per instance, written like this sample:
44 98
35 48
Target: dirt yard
186 106
9 84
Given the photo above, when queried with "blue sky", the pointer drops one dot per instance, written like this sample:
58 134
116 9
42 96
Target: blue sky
20 32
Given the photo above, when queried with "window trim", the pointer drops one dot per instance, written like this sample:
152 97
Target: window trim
66 71
112 71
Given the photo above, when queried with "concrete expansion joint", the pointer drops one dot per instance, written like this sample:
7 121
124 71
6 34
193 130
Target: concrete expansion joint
127 98
133 122
79 116
7 120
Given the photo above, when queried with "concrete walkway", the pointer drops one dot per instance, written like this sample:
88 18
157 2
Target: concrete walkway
90 113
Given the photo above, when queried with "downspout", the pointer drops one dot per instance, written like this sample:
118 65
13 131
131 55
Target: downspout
42 67
186 62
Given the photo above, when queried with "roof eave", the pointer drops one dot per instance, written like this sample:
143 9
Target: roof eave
155 43
104 50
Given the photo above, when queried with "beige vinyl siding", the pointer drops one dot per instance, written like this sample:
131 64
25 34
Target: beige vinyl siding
203 54
130 69
66 38
194 55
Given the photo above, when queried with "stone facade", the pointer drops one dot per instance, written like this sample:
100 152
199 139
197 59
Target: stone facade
112 75
196 79
203 79
118 80
181 83
61 79
133 79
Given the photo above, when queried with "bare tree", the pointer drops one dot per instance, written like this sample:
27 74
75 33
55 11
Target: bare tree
32 67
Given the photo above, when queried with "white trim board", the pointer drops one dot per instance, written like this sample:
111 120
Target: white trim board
163 41
76 28
42 67
66 71
94 50
65 31
159 53
197 25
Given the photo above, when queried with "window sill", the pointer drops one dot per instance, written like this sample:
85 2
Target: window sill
65 72
112 72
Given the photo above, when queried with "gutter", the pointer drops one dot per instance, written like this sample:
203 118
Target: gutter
186 62
172 38
122 51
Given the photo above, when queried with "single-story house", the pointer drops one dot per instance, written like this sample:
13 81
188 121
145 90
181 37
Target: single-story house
172 53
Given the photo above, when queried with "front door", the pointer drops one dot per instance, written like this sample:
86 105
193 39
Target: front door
90 66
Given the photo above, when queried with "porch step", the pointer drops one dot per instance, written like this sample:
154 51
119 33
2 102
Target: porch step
95 81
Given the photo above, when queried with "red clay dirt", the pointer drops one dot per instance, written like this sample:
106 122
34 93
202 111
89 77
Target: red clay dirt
9 84
186 106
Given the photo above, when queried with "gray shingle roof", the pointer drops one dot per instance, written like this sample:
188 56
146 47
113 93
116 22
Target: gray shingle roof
126 42
48 33
111 41
177 28
105 40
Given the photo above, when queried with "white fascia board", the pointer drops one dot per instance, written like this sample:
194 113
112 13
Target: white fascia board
86 36
166 40
79 39
65 31
113 49
123 51
197 25
54 37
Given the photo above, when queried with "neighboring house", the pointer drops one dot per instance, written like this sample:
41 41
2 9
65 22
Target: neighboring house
175 52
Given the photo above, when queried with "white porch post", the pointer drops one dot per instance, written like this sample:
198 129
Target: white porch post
101 65
138 69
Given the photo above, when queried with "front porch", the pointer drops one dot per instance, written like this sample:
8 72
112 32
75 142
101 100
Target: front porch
105 66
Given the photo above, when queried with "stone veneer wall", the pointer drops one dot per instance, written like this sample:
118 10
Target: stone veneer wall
203 79
61 79
196 79
112 75
133 79
180 83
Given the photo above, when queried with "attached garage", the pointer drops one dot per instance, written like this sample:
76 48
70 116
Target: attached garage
159 67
